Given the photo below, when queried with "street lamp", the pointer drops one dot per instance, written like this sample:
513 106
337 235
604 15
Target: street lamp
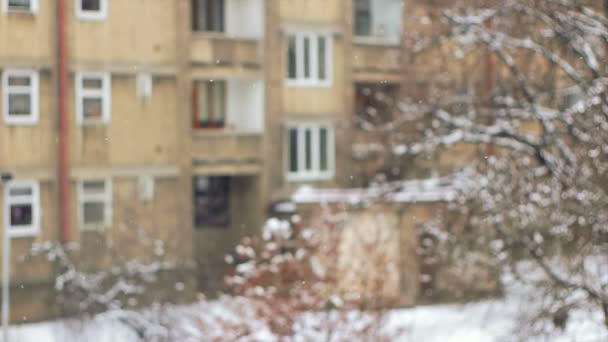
6 255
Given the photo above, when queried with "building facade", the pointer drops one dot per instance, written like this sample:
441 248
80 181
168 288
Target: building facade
179 120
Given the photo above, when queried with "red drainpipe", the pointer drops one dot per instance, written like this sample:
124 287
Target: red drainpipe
64 194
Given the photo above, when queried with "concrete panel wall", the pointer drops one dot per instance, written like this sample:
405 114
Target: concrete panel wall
140 131
311 11
31 146
27 38
135 32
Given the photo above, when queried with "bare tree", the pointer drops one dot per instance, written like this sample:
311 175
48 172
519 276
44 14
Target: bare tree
525 83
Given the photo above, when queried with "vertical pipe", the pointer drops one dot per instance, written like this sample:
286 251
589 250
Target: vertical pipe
64 217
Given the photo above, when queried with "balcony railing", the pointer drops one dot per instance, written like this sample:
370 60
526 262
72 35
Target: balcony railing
221 50
226 150
376 58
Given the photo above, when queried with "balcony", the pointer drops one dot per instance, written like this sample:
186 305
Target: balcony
227 126
376 62
220 50
227 32
226 153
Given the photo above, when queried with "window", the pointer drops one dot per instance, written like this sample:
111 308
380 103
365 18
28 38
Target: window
309 61
375 103
95 200
93 98
211 201
310 152
209 104
208 15
377 21
22 208
91 9
363 18
20 90
30 6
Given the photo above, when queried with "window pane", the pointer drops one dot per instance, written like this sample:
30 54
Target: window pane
218 10
211 201
25 191
93 212
213 13
92 83
363 20
93 187
91 5
308 149
19 104
219 101
198 15
293 150
92 108
21 215
201 184
306 57
291 58
19 4
323 152
322 51
22 81
203 103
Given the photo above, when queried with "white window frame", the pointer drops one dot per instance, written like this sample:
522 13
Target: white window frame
315 174
105 197
105 93
33 200
33 7
100 15
32 90
313 80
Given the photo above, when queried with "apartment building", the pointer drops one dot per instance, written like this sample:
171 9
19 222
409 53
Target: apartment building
181 121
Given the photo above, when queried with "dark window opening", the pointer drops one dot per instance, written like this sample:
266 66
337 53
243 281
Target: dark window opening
321 58
323 148
21 215
291 56
208 15
293 150
363 18
19 104
19 5
375 103
91 5
209 102
211 201
93 212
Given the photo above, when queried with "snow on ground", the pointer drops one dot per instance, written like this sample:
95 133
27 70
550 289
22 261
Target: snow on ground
496 320
484 321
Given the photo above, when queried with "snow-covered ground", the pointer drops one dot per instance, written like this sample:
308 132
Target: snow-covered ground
491 321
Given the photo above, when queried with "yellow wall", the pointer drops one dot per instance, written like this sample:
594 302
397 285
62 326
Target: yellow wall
141 130
26 38
31 146
313 11
135 32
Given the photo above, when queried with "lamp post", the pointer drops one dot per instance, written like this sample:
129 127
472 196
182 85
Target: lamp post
6 262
